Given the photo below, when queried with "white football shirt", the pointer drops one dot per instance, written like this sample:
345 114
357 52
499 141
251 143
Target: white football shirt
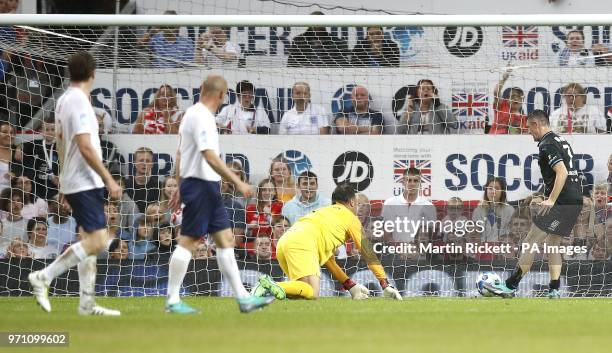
307 122
75 116
197 133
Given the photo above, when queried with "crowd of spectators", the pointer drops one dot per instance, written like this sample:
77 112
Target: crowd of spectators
37 223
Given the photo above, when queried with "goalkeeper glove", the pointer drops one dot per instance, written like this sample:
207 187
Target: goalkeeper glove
389 291
358 291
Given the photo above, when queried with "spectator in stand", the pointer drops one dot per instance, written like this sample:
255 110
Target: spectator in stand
575 54
360 119
37 240
243 117
62 228
317 48
29 83
282 178
9 6
41 161
33 206
235 208
513 246
508 115
6 153
308 199
304 118
13 224
111 157
426 115
142 243
608 235
280 224
17 249
235 166
602 53
161 116
259 215
143 187
375 50
263 248
118 250
584 229
598 252
454 214
519 226
600 203
113 222
409 205
164 240
214 50
494 211
575 116
203 251
169 187
364 213
170 48
127 206
152 216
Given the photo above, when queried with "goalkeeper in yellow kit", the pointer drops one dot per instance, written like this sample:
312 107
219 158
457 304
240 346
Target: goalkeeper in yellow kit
311 242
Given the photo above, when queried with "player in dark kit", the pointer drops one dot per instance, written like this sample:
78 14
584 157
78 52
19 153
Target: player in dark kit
557 214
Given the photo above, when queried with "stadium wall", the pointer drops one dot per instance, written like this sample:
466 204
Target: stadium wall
139 278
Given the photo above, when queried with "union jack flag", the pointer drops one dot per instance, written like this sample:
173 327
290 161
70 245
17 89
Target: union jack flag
423 165
470 104
520 36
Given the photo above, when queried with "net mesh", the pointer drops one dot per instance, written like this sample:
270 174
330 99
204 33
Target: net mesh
428 88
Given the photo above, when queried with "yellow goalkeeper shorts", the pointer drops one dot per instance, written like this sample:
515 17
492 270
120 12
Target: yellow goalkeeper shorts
297 255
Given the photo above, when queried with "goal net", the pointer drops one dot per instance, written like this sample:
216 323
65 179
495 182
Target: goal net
447 99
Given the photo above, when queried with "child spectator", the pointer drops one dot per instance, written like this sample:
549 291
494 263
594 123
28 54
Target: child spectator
17 249
243 117
37 240
508 115
259 215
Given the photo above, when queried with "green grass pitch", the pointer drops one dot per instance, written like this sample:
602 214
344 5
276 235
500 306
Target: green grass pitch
325 325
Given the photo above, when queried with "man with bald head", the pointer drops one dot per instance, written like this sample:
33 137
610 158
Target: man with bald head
359 119
199 170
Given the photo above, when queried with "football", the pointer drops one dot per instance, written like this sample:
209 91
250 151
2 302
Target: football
487 277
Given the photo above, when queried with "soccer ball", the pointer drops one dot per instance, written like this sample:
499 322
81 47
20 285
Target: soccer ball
487 277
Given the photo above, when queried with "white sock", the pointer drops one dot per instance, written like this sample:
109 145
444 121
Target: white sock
179 261
72 256
229 268
87 282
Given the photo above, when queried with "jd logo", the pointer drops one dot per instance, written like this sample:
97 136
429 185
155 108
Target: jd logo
463 41
353 167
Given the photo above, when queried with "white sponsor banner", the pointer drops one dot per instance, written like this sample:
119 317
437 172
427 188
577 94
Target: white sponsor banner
467 91
452 165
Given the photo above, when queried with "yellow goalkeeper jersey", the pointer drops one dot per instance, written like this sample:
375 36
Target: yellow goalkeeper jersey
330 227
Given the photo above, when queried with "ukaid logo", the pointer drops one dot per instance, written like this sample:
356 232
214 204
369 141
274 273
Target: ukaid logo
401 165
520 43
471 107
